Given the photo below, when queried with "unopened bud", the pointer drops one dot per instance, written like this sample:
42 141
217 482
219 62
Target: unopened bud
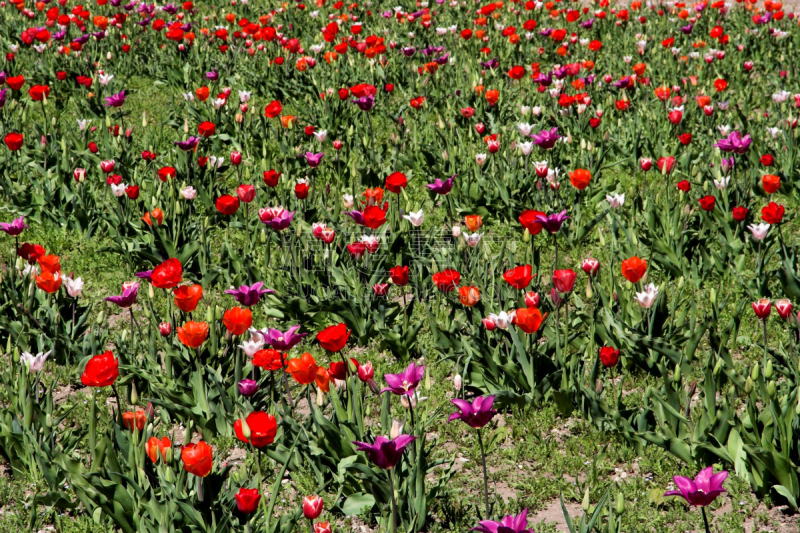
771 389
245 429
457 382
620 506
768 370
755 372
397 429
748 385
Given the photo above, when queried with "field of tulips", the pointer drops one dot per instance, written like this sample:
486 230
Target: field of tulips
508 267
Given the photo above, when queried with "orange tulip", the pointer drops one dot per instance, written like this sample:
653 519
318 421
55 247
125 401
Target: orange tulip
492 96
193 334
155 447
469 295
580 178
305 371
187 297
287 121
49 282
237 320
128 419
50 263
633 269
474 222
771 183
529 319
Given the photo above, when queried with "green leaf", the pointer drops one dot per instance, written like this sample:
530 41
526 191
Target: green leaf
357 503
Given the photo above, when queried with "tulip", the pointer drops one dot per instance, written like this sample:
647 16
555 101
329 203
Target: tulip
322 527
74 286
489 323
502 320
519 277
35 363
529 319
283 341
609 356
509 524
648 296
164 328
703 490
101 370
334 338
784 308
759 231
385 453
249 296
247 500
546 139
312 507
197 459
762 308
262 428
128 297
15 228
441 187
633 269
469 295
532 299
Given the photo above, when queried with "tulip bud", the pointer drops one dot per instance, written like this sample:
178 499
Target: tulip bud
620 507
586 502
397 429
754 373
210 315
134 394
164 328
151 293
771 389
245 429
320 398
456 232
100 318
748 385
48 420
768 370
457 382
676 376
718 366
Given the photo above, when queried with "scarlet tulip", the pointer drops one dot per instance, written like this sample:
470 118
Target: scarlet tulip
101 370
634 268
197 459
167 275
529 319
155 448
609 356
263 429
580 178
772 213
334 338
519 277
399 275
447 280
237 320
305 371
247 500
187 297
139 419
469 295
771 183
193 334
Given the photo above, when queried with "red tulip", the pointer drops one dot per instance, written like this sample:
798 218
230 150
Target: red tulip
772 213
247 500
271 178
762 308
609 356
447 280
246 193
564 280
396 182
590 266
783 307
101 370
197 459
312 507
519 277
739 213
227 204
13 141
529 319
206 129
684 186
532 299
167 275
155 448
707 202
399 275
333 338
263 429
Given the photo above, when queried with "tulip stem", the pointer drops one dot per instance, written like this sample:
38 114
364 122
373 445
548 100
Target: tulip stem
485 477
705 519
257 453
93 426
394 503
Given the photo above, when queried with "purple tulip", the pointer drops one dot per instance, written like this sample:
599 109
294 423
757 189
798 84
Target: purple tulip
544 79
476 414
3 98
587 24
441 60
188 145
115 100
3 77
385 453
735 143
703 490
408 51
365 103
213 75
726 164
406 381
146 274
552 223
546 138
560 72
509 524
313 159
441 187
283 342
83 39
247 387
547 32
128 296
492 63
357 216
248 296
15 228
281 221
687 30
623 83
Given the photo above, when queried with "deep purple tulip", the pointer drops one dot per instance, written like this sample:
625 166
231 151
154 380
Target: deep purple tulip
357 216
188 145
547 32
476 414
248 296
687 30
283 342
408 51
442 60
492 63
3 98
509 524
405 382
365 103
735 143
544 79
552 223
703 490
623 83
560 72
726 164
115 100
213 75
248 387
385 453
15 228
128 296
546 138
313 159
587 24
441 187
